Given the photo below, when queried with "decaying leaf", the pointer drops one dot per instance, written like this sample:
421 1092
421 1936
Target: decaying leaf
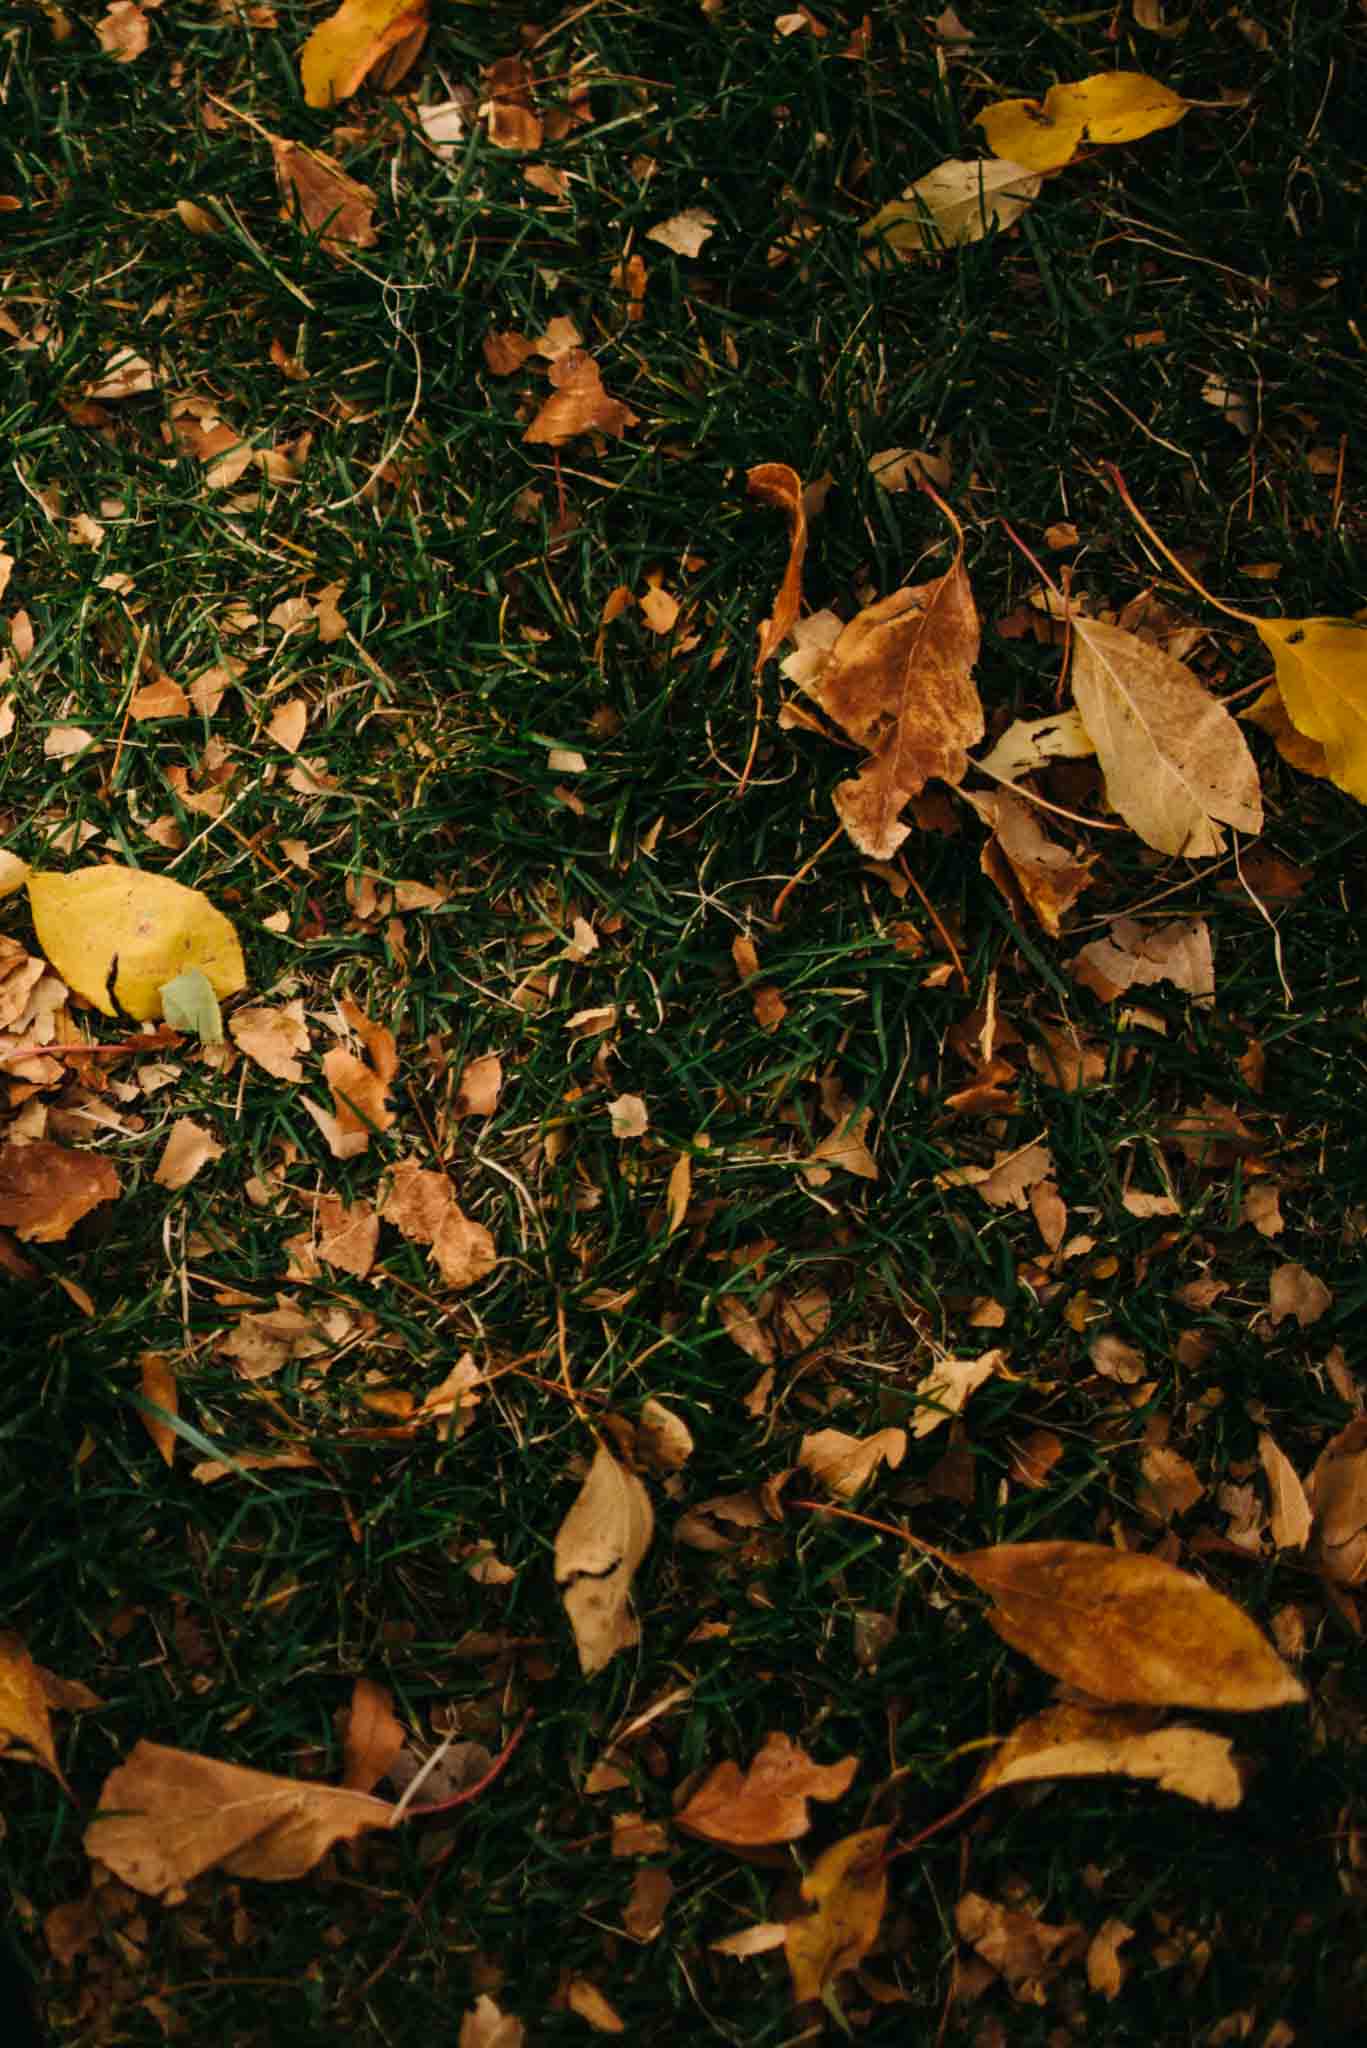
25 1729
1322 676
1018 1945
598 1547
1135 955
847 1889
1292 1518
959 201
1295 1291
1029 744
1126 1627
1021 854
273 1038
422 1204
1174 759
189 1146
844 1464
776 484
899 680
137 929
342 51
167 1815
45 1189
1337 1492
319 194
360 1087
373 1736
767 1803
1111 106
1092 1742
684 233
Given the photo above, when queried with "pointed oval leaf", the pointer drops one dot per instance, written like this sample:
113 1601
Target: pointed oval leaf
597 1549
1322 675
1116 106
135 929
1026 133
1129 1628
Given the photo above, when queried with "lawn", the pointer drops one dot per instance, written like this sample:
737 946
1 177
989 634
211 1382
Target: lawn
462 727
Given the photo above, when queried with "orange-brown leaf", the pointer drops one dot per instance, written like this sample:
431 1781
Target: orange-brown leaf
318 192
1096 1742
46 1189
768 1802
374 1736
579 404
776 484
1021 853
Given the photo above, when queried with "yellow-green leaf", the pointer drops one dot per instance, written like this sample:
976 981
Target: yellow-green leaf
1322 675
121 926
343 50
189 1004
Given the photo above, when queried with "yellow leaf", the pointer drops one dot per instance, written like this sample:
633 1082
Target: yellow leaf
848 1887
1023 132
959 201
1128 1628
344 49
142 930
1111 106
1322 675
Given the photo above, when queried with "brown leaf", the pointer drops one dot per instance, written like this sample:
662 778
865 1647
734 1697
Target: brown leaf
1105 1971
1092 1742
123 31
1019 1946
1174 759
1129 1628
1291 1515
579 404
463 1250
273 1039
899 681
598 1547
584 1997
46 1189
348 1234
1136 955
1007 1182
486 2026
373 1736
663 1439
481 1082
768 1802
317 191
167 1815
843 1463
1293 1291
25 1730
360 1089
188 1148
159 1385
776 484
947 1386
744 1328
1021 852
1171 1486
1337 1492
848 1888
651 1891
846 1146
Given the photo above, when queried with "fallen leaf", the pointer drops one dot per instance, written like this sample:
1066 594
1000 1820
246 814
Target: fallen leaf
422 1204
1019 1946
123 31
1291 1519
136 928
1293 1291
288 724
1133 955
846 1146
961 200
663 1439
1093 1742
745 1328
679 1192
584 1998
899 681
1020 851
360 1087
159 1385
1170 1486
189 1146
766 1803
1031 743
598 1547
343 50
1111 106
25 1729
167 1815
188 1004
1115 1359
487 2026
847 1888
1322 678
348 1235
1337 1492
844 1464
322 198
629 1117
578 404
481 1083
1127 1627
774 483
947 1386
684 232
372 1738
1174 759
45 1189
1105 1971
273 1039
643 1915
1007 1182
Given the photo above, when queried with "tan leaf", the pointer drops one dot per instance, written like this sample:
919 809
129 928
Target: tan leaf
774 483
1138 955
46 1189
1337 1492
844 1463
25 1730
462 1250
486 2026
847 1888
481 1083
845 1146
1174 759
1007 1182
417 1201
1094 1742
752 1941
663 1439
947 1386
1171 1485
161 698
1030 744
336 208
360 1089
1021 852
767 1802
679 1192
899 681
578 404
348 1235
643 1915
588 2001
1019 1946
189 1146
167 1815
288 724
372 1738
1295 1292
1291 1516
159 1385
1128 1628
598 1547
1105 1971
123 31
629 1116
961 200
1050 1212
273 1039
684 232
744 1328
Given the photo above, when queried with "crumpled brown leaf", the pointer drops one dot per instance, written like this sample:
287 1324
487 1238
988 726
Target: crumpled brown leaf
598 1547
766 1803
1021 857
168 1815
373 1736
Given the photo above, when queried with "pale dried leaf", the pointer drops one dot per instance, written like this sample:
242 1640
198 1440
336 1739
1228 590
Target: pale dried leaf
189 1146
844 1464
1291 1519
1093 1742
598 1547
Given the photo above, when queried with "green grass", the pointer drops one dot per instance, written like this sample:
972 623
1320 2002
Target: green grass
233 1619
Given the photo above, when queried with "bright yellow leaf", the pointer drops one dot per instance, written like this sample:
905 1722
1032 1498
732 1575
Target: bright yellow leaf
1322 675
848 1890
1023 132
1111 106
138 930
343 50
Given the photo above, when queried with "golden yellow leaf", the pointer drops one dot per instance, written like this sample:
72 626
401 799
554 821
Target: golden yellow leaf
1024 132
137 928
25 1731
597 1549
1096 1742
1127 1627
345 49
961 200
768 1802
167 1815
1322 675
848 1889
1111 106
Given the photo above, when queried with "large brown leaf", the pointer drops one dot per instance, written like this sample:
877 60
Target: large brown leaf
1129 1628
899 681
167 1815
768 1802
25 1730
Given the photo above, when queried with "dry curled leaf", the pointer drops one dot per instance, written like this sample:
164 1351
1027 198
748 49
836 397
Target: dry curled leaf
767 1803
844 1464
1093 1742
775 483
1021 857
598 1547
1128 1628
25 1729
578 404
